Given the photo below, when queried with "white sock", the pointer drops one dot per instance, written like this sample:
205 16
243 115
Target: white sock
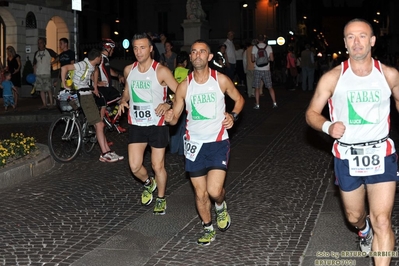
219 207
366 230
210 228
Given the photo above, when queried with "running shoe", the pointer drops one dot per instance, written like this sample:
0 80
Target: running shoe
160 206
256 107
366 240
275 105
108 157
120 157
223 218
146 196
206 239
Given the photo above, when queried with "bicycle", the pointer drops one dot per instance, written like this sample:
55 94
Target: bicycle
111 117
70 133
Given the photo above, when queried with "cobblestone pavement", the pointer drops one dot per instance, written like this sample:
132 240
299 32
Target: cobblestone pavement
279 173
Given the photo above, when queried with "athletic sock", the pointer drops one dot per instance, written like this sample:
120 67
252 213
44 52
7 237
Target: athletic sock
147 182
219 207
365 230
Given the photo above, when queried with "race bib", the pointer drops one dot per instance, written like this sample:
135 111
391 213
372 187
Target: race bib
365 161
143 114
191 148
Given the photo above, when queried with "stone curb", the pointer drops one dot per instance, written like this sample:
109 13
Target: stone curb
27 118
28 168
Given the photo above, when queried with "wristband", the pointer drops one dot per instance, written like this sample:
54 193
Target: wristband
170 103
326 126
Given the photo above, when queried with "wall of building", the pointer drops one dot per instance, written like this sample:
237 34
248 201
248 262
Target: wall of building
23 39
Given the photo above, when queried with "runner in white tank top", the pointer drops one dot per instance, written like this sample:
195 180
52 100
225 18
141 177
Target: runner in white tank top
364 109
145 98
358 93
206 144
205 105
146 94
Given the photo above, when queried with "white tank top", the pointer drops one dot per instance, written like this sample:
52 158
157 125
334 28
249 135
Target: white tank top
205 105
363 105
145 95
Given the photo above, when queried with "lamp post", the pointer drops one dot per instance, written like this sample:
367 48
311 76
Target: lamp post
76 6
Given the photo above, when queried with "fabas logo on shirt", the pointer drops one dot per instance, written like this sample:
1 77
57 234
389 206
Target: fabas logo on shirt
141 91
203 106
360 104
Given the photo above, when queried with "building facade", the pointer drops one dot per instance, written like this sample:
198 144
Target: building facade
23 22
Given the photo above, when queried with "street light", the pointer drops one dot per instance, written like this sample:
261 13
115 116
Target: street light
244 4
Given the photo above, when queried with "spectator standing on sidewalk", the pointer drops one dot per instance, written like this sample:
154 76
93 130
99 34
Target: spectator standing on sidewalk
249 68
292 71
219 59
145 96
239 65
203 94
262 75
66 57
308 68
358 93
8 89
168 58
14 67
160 43
42 61
230 56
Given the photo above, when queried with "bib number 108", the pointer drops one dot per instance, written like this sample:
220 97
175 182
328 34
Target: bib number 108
142 114
366 160
190 148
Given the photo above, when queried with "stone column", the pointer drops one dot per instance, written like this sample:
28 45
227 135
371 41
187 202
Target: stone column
194 29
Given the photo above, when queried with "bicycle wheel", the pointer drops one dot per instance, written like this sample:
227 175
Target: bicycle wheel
89 138
64 139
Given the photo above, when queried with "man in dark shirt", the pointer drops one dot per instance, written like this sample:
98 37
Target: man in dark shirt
66 57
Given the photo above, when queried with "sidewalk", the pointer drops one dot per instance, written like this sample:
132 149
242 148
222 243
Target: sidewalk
27 111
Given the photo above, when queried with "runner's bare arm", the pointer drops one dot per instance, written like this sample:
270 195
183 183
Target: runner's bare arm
392 77
324 91
172 116
165 78
228 87
125 95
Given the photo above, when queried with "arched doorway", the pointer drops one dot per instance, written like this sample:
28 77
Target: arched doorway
2 42
55 30
8 34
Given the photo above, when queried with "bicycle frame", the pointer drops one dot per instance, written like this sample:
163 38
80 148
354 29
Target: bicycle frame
66 135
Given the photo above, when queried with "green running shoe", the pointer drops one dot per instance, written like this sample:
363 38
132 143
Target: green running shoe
206 239
223 218
160 206
146 196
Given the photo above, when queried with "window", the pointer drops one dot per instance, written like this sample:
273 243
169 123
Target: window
30 21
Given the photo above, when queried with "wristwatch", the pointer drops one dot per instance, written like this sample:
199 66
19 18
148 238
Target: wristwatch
235 116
